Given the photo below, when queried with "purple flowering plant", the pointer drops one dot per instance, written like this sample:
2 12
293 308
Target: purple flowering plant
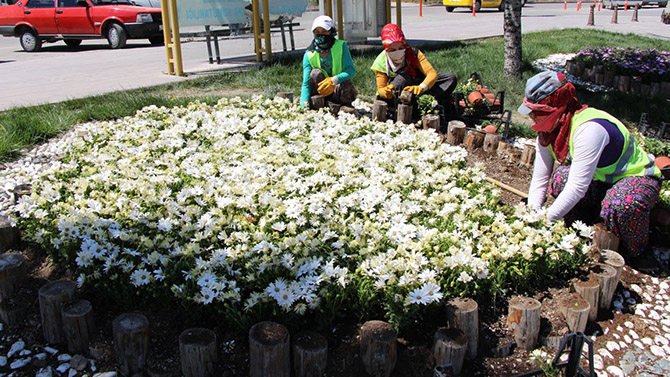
652 65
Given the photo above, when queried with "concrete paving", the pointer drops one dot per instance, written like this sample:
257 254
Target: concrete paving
57 73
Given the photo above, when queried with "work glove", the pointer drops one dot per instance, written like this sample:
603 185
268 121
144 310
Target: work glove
326 87
414 89
387 91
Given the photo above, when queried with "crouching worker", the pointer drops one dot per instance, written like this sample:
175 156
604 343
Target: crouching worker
604 174
327 66
402 67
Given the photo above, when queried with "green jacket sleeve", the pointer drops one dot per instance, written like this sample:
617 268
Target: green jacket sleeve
304 91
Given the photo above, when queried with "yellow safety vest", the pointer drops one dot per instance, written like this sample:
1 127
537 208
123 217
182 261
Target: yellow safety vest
335 52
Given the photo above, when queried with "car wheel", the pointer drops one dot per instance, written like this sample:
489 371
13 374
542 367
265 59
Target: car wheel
116 36
72 42
157 41
450 9
29 41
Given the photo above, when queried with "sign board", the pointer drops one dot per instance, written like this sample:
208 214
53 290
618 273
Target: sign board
225 12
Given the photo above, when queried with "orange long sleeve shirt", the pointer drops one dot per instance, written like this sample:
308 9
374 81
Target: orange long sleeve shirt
424 66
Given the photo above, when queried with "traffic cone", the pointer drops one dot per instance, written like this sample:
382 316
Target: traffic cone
474 8
591 15
599 4
579 5
565 5
615 15
625 6
637 7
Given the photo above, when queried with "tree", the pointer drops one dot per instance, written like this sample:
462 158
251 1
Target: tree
512 38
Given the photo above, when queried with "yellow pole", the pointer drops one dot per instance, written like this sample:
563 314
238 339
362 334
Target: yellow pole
174 20
398 15
257 30
340 17
388 12
329 8
266 23
165 16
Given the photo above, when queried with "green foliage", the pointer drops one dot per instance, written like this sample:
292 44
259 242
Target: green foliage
427 104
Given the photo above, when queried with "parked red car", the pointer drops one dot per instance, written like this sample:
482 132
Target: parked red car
38 21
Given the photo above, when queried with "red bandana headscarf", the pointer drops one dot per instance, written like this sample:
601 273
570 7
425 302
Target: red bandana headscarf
392 33
553 118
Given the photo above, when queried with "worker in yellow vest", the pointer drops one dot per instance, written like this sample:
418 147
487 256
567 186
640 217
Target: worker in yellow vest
604 174
327 66
402 67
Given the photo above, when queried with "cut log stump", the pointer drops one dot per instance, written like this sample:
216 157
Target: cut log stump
52 296
131 342
589 290
463 314
14 313
614 259
12 274
449 349
406 97
379 110
9 234
431 122
474 139
269 350
318 101
78 325
455 132
491 142
287 95
378 348
405 114
528 155
197 350
310 354
347 110
524 320
334 107
607 279
604 239
576 311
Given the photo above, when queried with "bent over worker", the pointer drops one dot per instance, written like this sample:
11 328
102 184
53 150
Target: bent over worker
603 173
402 67
327 66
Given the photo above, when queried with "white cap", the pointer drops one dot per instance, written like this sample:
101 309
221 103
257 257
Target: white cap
324 22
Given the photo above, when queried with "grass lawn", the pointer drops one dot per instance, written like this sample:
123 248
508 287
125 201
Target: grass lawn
24 127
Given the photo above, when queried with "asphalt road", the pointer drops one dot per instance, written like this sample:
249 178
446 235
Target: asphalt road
57 73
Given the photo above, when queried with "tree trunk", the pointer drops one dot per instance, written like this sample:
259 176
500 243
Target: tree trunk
78 325
455 132
491 142
576 311
449 348
607 280
405 114
524 320
197 350
463 314
310 354
512 38
12 274
379 111
431 122
52 296
269 350
378 348
590 291
474 139
131 342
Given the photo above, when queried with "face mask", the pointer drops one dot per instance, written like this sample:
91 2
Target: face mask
323 43
396 56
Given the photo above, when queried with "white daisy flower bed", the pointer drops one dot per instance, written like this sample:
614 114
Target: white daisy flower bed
253 205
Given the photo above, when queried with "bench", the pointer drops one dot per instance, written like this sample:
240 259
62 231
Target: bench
212 35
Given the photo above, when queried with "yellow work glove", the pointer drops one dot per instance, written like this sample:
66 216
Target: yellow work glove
386 92
415 89
326 87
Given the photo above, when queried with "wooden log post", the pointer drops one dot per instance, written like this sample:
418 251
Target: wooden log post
286 95
406 97
449 349
528 155
589 290
491 142
474 139
404 113
463 314
310 354
334 107
378 348
576 311
269 350
604 239
52 296
131 342
9 234
431 122
78 325
379 111
21 190
14 312
197 351
607 280
524 320
455 132
318 101
12 274
614 259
